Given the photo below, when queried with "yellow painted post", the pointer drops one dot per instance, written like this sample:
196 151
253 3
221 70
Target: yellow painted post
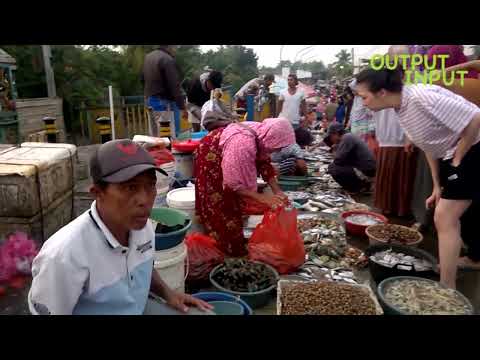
134 120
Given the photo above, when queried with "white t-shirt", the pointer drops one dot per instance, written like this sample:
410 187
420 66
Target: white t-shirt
388 130
291 105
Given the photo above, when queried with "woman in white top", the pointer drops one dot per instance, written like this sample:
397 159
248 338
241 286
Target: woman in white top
395 166
447 128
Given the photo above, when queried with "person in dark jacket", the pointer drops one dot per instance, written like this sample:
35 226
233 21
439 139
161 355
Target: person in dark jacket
198 93
162 90
354 165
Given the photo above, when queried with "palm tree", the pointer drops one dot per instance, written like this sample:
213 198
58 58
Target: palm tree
343 66
344 57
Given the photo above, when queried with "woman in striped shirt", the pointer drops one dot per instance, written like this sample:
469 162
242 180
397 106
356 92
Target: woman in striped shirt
447 128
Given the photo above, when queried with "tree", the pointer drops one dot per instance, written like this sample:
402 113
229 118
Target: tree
343 66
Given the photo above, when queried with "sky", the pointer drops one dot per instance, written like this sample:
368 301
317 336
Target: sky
269 55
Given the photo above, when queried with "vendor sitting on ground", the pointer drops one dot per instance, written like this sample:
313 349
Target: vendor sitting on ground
354 164
226 166
102 262
290 160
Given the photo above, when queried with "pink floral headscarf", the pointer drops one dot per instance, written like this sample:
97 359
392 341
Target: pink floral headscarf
239 151
274 133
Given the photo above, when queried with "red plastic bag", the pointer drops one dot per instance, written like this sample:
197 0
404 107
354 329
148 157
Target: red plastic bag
277 242
161 155
203 256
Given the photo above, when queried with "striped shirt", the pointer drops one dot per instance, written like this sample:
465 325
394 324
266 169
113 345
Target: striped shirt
434 118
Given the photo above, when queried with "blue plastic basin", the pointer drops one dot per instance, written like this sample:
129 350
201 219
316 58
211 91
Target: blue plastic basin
227 308
172 239
220 296
199 135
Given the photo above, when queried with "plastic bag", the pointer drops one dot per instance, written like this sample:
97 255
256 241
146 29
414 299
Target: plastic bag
161 155
203 256
277 242
214 110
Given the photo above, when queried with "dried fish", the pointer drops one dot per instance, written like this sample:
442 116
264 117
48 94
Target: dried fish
390 258
424 297
297 195
318 224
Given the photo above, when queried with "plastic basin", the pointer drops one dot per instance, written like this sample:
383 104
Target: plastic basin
390 309
221 296
380 272
255 299
356 229
227 308
289 185
172 239
199 135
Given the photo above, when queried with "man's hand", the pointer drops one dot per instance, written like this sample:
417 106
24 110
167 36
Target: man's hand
181 302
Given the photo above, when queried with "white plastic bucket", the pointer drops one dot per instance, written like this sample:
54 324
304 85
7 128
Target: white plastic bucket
183 199
161 198
170 265
184 163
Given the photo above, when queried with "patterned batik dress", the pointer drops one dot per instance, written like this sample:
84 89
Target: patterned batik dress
220 209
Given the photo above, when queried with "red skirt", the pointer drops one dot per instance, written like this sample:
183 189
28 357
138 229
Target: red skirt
394 180
220 210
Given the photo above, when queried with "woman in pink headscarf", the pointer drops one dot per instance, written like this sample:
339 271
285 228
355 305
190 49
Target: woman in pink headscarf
226 166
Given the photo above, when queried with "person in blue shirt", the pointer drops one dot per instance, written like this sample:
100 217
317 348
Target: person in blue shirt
340 113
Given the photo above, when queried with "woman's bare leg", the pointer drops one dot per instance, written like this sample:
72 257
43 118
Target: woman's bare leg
447 222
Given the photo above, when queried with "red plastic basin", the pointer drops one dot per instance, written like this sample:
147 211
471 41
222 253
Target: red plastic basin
356 229
188 146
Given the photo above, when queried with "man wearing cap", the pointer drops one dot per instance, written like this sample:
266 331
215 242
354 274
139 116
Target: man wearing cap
354 165
102 262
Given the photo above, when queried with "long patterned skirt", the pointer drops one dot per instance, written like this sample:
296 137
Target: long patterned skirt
394 181
220 210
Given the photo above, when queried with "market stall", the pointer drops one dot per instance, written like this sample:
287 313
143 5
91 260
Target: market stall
325 253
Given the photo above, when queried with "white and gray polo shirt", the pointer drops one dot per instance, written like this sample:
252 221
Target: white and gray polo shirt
83 269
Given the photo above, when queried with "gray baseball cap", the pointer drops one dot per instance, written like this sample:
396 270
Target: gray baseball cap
334 128
118 161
